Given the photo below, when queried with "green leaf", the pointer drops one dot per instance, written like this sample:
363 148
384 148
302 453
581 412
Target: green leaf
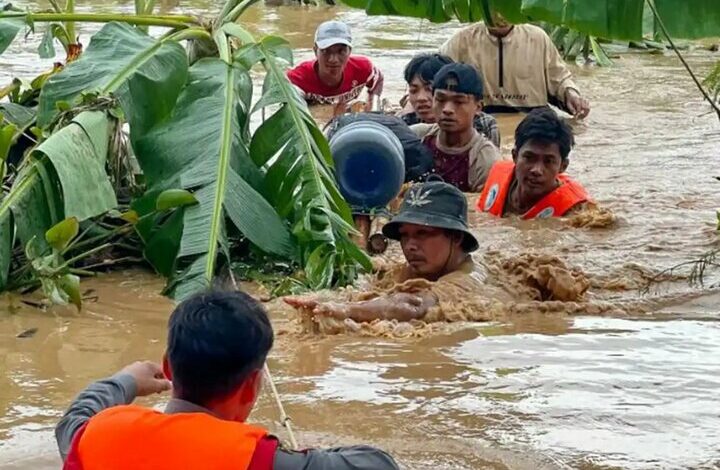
146 74
77 153
612 19
172 198
63 106
9 27
62 233
200 149
19 115
600 56
34 204
300 180
690 19
46 50
6 245
161 248
8 135
70 285
617 19
235 30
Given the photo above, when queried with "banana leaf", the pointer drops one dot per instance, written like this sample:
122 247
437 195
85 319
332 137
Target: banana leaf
690 19
612 19
77 153
300 181
63 177
9 27
146 74
6 245
200 148
19 115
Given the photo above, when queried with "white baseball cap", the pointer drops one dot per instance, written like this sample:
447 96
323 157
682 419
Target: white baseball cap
330 33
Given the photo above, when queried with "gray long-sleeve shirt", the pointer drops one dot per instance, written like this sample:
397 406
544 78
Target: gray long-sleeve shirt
121 390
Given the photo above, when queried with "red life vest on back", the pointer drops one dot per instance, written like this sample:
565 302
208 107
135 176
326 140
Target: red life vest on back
132 437
555 204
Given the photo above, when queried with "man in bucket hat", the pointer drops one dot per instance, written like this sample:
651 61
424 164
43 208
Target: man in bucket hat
433 233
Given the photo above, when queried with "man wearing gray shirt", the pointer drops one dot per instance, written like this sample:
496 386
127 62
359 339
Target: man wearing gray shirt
217 346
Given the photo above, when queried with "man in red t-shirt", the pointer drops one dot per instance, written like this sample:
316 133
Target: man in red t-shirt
336 76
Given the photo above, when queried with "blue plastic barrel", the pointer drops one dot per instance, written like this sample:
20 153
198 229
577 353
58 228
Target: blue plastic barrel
369 163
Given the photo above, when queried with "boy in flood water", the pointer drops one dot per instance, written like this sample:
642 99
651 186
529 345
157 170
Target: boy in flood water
336 76
217 346
534 184
462 156
438 270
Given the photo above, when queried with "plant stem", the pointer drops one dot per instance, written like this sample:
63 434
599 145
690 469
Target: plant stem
86 254
235 13
665 32
82 272
170 21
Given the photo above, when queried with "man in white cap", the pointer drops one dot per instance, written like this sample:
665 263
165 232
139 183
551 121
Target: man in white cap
336 76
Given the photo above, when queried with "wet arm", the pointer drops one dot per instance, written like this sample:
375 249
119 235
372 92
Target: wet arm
559 78
117 390
340 458
392 307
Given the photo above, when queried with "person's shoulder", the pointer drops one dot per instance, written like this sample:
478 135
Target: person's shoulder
483 145
475 28
303 70
532 31
360 62
423 130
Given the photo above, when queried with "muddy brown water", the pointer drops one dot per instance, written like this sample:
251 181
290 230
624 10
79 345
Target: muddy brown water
532 391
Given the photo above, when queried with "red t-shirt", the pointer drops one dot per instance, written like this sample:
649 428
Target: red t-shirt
359 73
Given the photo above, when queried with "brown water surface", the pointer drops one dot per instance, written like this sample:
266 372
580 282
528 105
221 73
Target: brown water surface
532 391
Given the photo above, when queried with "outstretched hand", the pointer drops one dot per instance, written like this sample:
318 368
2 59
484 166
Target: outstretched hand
149 378
330 309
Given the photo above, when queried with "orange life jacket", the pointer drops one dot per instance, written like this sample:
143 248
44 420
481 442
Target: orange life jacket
492 199
133 437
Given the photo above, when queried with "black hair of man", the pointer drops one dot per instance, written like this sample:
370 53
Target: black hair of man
215 341
544 125
425 66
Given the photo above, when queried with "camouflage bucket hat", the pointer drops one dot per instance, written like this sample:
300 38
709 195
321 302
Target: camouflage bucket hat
434 204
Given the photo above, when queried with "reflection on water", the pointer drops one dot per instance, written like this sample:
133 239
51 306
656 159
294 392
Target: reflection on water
537 391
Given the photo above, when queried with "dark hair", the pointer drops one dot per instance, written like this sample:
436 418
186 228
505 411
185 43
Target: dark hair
425 66
215 341
545 125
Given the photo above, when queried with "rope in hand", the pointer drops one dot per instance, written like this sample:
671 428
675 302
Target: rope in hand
285 420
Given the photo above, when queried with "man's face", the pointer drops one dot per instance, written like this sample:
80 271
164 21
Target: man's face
421 99
332 60
501 27
426 249
454 111
537 165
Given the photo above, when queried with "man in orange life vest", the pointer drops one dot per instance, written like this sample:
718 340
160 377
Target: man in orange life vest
217 346
534 185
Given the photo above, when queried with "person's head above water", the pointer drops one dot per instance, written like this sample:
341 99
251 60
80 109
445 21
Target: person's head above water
216 350
333 45
457 97
419 75
432 228
500 27
542 148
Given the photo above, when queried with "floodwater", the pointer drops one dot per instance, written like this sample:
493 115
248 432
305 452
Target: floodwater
537 390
